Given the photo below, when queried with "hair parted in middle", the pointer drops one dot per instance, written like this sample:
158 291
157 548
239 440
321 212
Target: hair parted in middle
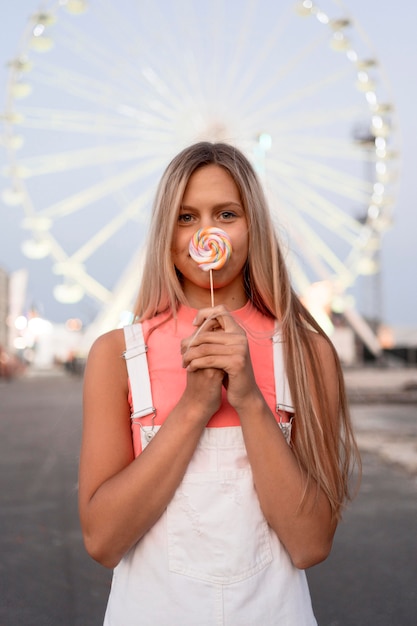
265 269
323 443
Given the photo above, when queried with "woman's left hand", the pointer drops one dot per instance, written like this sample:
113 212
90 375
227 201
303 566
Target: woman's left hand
220 342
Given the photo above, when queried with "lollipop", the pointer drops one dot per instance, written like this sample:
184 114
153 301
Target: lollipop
210 248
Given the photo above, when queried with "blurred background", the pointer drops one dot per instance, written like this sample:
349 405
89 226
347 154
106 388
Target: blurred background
96 99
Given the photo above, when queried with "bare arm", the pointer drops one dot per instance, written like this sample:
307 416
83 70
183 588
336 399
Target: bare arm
306 532
121 497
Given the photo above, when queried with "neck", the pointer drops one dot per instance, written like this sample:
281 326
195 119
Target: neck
232 297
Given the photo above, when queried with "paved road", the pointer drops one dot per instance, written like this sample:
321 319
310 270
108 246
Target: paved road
46 579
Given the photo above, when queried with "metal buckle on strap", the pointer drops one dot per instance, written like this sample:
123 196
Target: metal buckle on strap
143 413
135 351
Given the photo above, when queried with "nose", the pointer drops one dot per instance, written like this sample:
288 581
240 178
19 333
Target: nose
207 222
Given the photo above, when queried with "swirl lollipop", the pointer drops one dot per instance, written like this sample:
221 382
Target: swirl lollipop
210 248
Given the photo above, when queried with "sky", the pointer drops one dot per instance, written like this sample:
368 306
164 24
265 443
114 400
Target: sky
389 28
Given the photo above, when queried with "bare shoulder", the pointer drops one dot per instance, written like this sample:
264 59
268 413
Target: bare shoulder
322 346
109 344
105 360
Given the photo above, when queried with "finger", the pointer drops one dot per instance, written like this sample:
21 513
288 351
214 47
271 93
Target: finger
220 315
215 342
232 358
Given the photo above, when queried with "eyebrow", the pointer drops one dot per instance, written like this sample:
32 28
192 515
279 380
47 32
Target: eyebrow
221 205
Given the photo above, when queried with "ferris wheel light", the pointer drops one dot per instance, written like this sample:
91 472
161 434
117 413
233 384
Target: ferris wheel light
365 64
322 17
21 90
15 142
377 122
364 82
21 64
371 97
368 266
41 44
379 126
380 143
38 30
338 25
12 197
13 117
43 19
34 249
339 42
381 168
76 7
352 55
68 294
304 8
17 171
363 77
373 211
265 141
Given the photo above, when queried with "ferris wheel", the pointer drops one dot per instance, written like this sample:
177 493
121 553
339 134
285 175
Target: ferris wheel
101 95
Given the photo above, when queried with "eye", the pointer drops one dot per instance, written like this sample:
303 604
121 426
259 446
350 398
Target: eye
185 218
227 215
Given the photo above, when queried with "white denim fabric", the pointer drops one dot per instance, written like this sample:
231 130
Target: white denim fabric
211 559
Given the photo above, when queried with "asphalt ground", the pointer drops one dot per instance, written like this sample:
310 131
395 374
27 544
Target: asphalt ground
46 578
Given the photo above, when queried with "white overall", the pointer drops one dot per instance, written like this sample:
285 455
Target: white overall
211 559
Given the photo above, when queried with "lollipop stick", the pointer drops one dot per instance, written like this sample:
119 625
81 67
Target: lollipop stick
211 288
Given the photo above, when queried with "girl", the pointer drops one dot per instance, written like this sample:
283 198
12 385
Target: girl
212 487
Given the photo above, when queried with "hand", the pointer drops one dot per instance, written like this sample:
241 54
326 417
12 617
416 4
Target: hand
222 344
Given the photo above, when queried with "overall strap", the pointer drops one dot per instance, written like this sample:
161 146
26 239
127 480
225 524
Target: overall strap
138 371
282 389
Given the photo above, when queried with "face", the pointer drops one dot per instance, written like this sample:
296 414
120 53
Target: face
212 198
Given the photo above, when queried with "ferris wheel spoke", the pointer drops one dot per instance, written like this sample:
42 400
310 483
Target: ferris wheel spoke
133 46
330 178
319 254
98 93
323 146
102 189
76 159
334 225
328 212
93 287
315 119
101 59
101 236
233 67
134 125
264 91
244 81
273 107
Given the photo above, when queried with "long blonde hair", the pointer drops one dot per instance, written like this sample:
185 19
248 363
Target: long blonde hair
324 446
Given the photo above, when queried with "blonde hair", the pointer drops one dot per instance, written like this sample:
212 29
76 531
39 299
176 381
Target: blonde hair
324 446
